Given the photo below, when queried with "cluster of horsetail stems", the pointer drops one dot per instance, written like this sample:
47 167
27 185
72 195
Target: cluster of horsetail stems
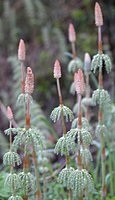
76 141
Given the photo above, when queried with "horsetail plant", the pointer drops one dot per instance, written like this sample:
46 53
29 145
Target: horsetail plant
65 114
80 180
101 96
11 159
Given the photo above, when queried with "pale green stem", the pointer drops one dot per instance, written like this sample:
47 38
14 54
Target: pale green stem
79 126
73 49
25 172
87 96
110 168
22 77
38 193
44 187
100 51
11 167
102 155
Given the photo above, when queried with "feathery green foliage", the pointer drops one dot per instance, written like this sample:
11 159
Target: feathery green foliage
63 177
85 123
75 108
56 113
22 99
12 130
88 101
80 135
64 146
28 180
11 158
101 129
101 97
74 65
99 61
86 156
15 198
28 137
13 181
80 180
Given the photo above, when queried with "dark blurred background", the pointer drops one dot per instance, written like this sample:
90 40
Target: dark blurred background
44 27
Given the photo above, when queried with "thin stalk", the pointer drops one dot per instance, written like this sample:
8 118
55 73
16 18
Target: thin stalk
113 158
110 168
111 176
103 156
87 115
25 159
100 48
38 193
73 49
34 156
79 126
22 78
44 186
10 136
11 167
63 128
97 166
25 169
79 112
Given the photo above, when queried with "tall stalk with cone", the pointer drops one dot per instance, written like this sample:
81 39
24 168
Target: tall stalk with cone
63 113
80 138
101 96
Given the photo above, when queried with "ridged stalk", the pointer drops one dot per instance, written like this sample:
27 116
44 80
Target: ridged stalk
110 169
79 126
38 193
87 115
73 50
26 159
100 119
22 78
11 167
63 128
34 156
103 156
